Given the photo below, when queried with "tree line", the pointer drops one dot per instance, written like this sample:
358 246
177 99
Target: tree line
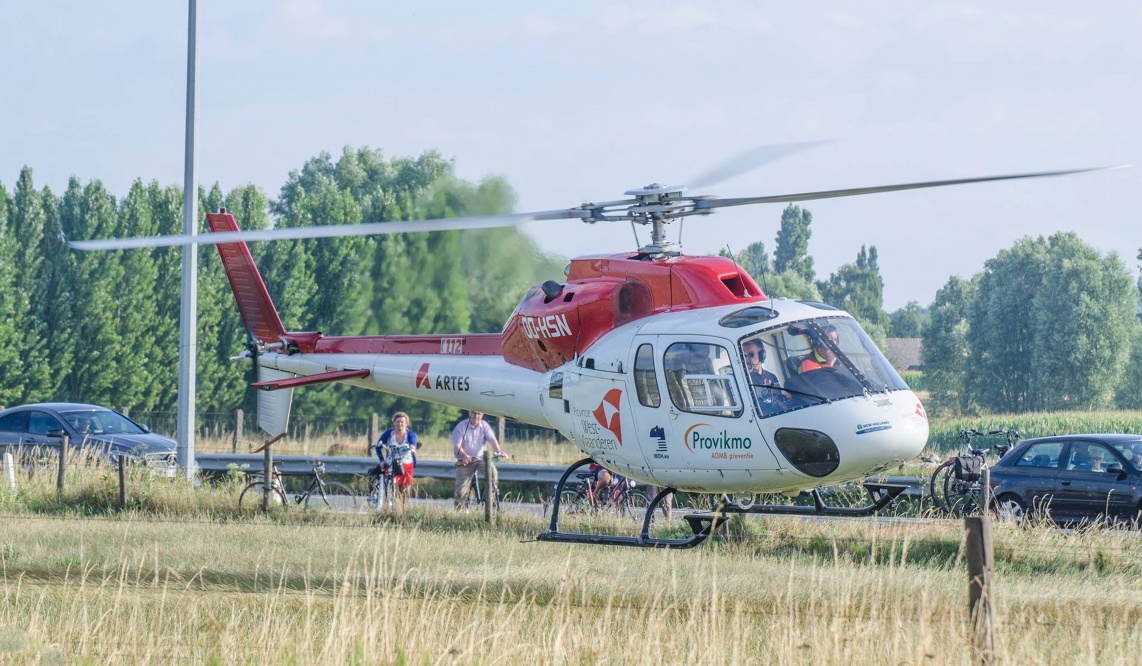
102 327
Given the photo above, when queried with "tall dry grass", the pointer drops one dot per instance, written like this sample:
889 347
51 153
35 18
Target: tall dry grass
439 588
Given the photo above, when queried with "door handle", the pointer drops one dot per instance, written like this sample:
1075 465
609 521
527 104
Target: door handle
1065 483
673 414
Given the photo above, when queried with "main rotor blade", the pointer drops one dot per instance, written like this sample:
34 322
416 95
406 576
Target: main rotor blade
748 160
701 204
330 231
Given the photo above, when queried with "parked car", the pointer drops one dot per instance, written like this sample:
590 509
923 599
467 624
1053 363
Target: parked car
1071 478
103 432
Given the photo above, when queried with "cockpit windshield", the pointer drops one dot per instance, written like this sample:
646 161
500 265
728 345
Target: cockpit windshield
813 362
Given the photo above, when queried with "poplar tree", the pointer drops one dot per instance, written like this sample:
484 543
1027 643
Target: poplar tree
792 251
11 367
89 212
54 297
136 315
26 227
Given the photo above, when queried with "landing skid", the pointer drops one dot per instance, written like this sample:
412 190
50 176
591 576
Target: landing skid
703 523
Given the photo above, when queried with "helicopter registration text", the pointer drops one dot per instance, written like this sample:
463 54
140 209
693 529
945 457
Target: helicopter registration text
551 326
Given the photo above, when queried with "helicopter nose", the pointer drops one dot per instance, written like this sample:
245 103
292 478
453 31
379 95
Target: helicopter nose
887 437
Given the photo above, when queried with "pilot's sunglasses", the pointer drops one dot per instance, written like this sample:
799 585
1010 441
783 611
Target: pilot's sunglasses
752 354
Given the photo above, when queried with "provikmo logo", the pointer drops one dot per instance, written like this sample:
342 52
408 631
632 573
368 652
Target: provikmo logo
698 440
607 413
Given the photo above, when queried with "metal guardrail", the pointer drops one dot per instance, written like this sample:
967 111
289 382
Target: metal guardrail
435 469
300 465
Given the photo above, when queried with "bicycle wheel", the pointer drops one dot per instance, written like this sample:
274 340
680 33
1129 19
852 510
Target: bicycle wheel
390 492
936 485
251 498
332 496
960 495
574 501
373 500
635 505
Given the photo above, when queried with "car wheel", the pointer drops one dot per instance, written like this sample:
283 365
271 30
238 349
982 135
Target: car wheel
1010 509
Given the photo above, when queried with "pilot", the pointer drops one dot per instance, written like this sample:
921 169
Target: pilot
759 377
822 356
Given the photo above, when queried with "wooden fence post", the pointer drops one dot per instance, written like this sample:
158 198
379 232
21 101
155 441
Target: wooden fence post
489 497
985 492
374 426
268 477
500 430
62 463
239 428
981 570
122 482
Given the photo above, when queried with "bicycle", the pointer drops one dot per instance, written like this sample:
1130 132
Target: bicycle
475 496
1012 439
619 497
319 494
382 483
955 485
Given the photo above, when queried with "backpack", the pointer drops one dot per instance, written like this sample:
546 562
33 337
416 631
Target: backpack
968 468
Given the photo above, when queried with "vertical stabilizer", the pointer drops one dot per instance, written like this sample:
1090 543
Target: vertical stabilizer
259 315
273 406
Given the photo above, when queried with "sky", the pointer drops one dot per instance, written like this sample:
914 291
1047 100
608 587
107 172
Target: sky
581 101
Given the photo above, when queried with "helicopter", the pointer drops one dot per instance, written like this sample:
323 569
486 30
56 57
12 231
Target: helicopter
639 358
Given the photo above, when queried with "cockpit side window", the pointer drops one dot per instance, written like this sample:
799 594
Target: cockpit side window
645 378
700 379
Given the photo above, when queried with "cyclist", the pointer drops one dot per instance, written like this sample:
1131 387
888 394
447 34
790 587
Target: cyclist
603 479
469 439
403 466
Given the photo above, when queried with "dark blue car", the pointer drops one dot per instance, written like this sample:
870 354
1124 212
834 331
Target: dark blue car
102 431
1071 478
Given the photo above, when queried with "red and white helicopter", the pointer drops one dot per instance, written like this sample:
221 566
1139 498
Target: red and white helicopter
638 357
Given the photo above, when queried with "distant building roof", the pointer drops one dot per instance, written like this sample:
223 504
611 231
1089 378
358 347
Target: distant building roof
904 353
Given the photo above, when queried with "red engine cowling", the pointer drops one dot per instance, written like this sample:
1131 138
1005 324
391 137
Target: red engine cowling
545 332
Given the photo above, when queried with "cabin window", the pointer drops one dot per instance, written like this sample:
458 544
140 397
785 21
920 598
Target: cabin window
700 379
645 378
555 387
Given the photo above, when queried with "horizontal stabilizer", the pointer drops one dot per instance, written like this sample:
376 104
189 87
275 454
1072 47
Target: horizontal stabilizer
291 382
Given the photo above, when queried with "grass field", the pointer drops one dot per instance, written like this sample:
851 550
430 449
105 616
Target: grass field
180 576
440 587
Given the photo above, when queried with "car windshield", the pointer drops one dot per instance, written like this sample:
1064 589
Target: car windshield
101 422
814 361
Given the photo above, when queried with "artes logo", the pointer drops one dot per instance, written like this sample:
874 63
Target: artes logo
607 413
422 378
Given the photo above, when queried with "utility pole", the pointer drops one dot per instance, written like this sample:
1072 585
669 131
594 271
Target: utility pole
188 319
